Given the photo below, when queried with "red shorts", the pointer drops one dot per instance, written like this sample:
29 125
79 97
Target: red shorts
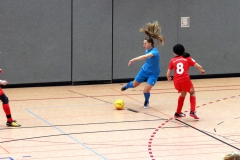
185 85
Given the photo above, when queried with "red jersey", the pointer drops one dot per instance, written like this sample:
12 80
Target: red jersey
181 66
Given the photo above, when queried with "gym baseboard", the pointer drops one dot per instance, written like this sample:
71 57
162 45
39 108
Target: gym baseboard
125 80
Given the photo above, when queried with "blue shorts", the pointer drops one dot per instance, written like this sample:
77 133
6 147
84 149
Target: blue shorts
142 76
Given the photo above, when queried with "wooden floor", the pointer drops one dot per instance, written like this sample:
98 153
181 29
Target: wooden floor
81 123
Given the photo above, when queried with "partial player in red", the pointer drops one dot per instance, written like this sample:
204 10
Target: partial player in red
181 63
5 105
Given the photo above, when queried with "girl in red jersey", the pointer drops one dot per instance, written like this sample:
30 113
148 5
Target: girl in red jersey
181 63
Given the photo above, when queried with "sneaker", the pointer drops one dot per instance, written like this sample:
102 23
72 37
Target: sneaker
176 115
123 88
146 105
13 124
193 114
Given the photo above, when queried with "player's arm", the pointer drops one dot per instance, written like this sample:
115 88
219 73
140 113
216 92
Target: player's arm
139 58
3 82
199 67
168 75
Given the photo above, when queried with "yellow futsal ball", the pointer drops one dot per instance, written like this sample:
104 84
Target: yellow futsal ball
119 104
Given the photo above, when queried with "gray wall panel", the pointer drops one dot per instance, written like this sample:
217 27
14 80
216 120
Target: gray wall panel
46 41
213 35
92 40
129 16
35 41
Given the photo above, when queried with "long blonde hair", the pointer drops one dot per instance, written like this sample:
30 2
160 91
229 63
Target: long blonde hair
153 30
232 156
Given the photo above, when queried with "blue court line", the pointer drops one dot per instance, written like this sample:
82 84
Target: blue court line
65 134
87 105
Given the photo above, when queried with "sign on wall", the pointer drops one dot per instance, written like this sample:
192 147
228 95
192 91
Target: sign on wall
185 21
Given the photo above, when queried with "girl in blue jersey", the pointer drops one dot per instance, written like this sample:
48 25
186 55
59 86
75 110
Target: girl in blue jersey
151 68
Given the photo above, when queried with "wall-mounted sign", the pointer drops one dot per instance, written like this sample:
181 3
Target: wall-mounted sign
185 21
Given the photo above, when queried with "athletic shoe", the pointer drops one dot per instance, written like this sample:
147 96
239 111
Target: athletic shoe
13 124
193 114
123 88
176 115
146 105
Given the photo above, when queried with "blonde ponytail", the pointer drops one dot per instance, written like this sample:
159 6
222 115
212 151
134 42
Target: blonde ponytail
153 30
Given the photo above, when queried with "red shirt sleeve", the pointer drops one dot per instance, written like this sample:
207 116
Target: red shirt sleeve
191 61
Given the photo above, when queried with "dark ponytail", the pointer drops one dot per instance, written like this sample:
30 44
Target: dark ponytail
186 55
180 50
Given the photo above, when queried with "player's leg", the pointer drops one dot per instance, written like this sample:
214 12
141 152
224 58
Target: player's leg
6 108
138 79
181 98
146 93
151 81
192 99
131 84
193 103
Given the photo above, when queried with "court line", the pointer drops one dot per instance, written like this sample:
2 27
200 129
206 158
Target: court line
7 158
90 97
198 87
225 137
65 133
207 134
80 124
159 127
107 145
4 149
94 97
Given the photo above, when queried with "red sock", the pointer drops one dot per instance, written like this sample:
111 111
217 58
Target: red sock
180 104
7 111
193 103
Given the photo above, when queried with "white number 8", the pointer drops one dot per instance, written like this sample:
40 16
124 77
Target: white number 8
180 69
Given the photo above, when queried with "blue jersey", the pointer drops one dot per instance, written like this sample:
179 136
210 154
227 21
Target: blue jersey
152 64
